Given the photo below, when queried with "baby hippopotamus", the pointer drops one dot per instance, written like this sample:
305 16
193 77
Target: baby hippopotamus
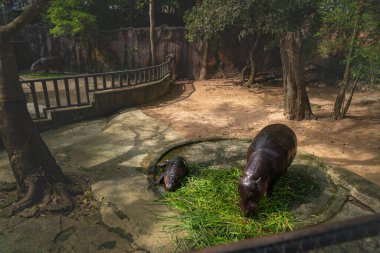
176 169
269 155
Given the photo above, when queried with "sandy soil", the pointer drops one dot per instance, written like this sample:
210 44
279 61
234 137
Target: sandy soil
223 108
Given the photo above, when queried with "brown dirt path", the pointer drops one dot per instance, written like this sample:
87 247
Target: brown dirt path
222 108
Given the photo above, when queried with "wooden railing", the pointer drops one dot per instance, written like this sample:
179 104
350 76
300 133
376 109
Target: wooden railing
44 95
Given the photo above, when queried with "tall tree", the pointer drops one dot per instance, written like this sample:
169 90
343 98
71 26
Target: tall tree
293 23
287 21
33 165
351 29
152 32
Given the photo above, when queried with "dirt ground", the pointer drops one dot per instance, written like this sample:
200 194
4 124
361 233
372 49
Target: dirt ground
224 108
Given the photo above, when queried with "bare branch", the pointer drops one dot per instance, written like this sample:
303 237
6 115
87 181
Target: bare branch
29 12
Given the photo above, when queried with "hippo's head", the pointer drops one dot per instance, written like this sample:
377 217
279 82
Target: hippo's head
172 182
250 191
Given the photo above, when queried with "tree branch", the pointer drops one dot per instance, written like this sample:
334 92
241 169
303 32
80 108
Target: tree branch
29 12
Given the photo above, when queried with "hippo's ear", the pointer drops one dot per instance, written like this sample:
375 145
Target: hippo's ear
162 164
258 180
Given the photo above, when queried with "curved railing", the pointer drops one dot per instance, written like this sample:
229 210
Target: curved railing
48 94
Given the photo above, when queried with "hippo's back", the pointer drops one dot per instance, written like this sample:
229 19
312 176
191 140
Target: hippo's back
275 138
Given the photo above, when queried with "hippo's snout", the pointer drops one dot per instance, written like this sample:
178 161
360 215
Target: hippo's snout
249 208
170 187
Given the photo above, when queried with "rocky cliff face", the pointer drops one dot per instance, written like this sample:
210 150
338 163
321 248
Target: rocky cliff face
128 48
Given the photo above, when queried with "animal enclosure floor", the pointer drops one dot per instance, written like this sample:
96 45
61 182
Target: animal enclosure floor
223 108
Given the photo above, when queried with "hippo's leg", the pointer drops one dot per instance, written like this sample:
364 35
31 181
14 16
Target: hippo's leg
160 180
270 188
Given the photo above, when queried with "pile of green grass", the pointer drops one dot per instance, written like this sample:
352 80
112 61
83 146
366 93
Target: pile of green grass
209 211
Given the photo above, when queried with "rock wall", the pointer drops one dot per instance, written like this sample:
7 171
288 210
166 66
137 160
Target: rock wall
128 48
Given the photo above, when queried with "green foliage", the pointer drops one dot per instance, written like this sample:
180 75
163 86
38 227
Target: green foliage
108 14
210 215
272 17
208 19
70 18
338 22
367 63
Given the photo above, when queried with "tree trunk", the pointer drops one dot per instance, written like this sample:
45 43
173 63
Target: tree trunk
296 100
252 75
347 105
339 107
203 72
243 72
152 31
252 59
33 166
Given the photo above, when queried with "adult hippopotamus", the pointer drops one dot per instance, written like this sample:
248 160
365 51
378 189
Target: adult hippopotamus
175 170
269 155
48 63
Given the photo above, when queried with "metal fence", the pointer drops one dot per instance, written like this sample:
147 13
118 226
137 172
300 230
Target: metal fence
354 235
48 94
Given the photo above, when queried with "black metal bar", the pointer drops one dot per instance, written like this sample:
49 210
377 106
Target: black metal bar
67 90
310 238
104 82
95 83
121 80
113 81
56 91
46 94
35 101
77 91
128 78
86 85
139 77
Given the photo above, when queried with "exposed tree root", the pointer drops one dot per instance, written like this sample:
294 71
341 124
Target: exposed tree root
36 186
47 197
43 199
